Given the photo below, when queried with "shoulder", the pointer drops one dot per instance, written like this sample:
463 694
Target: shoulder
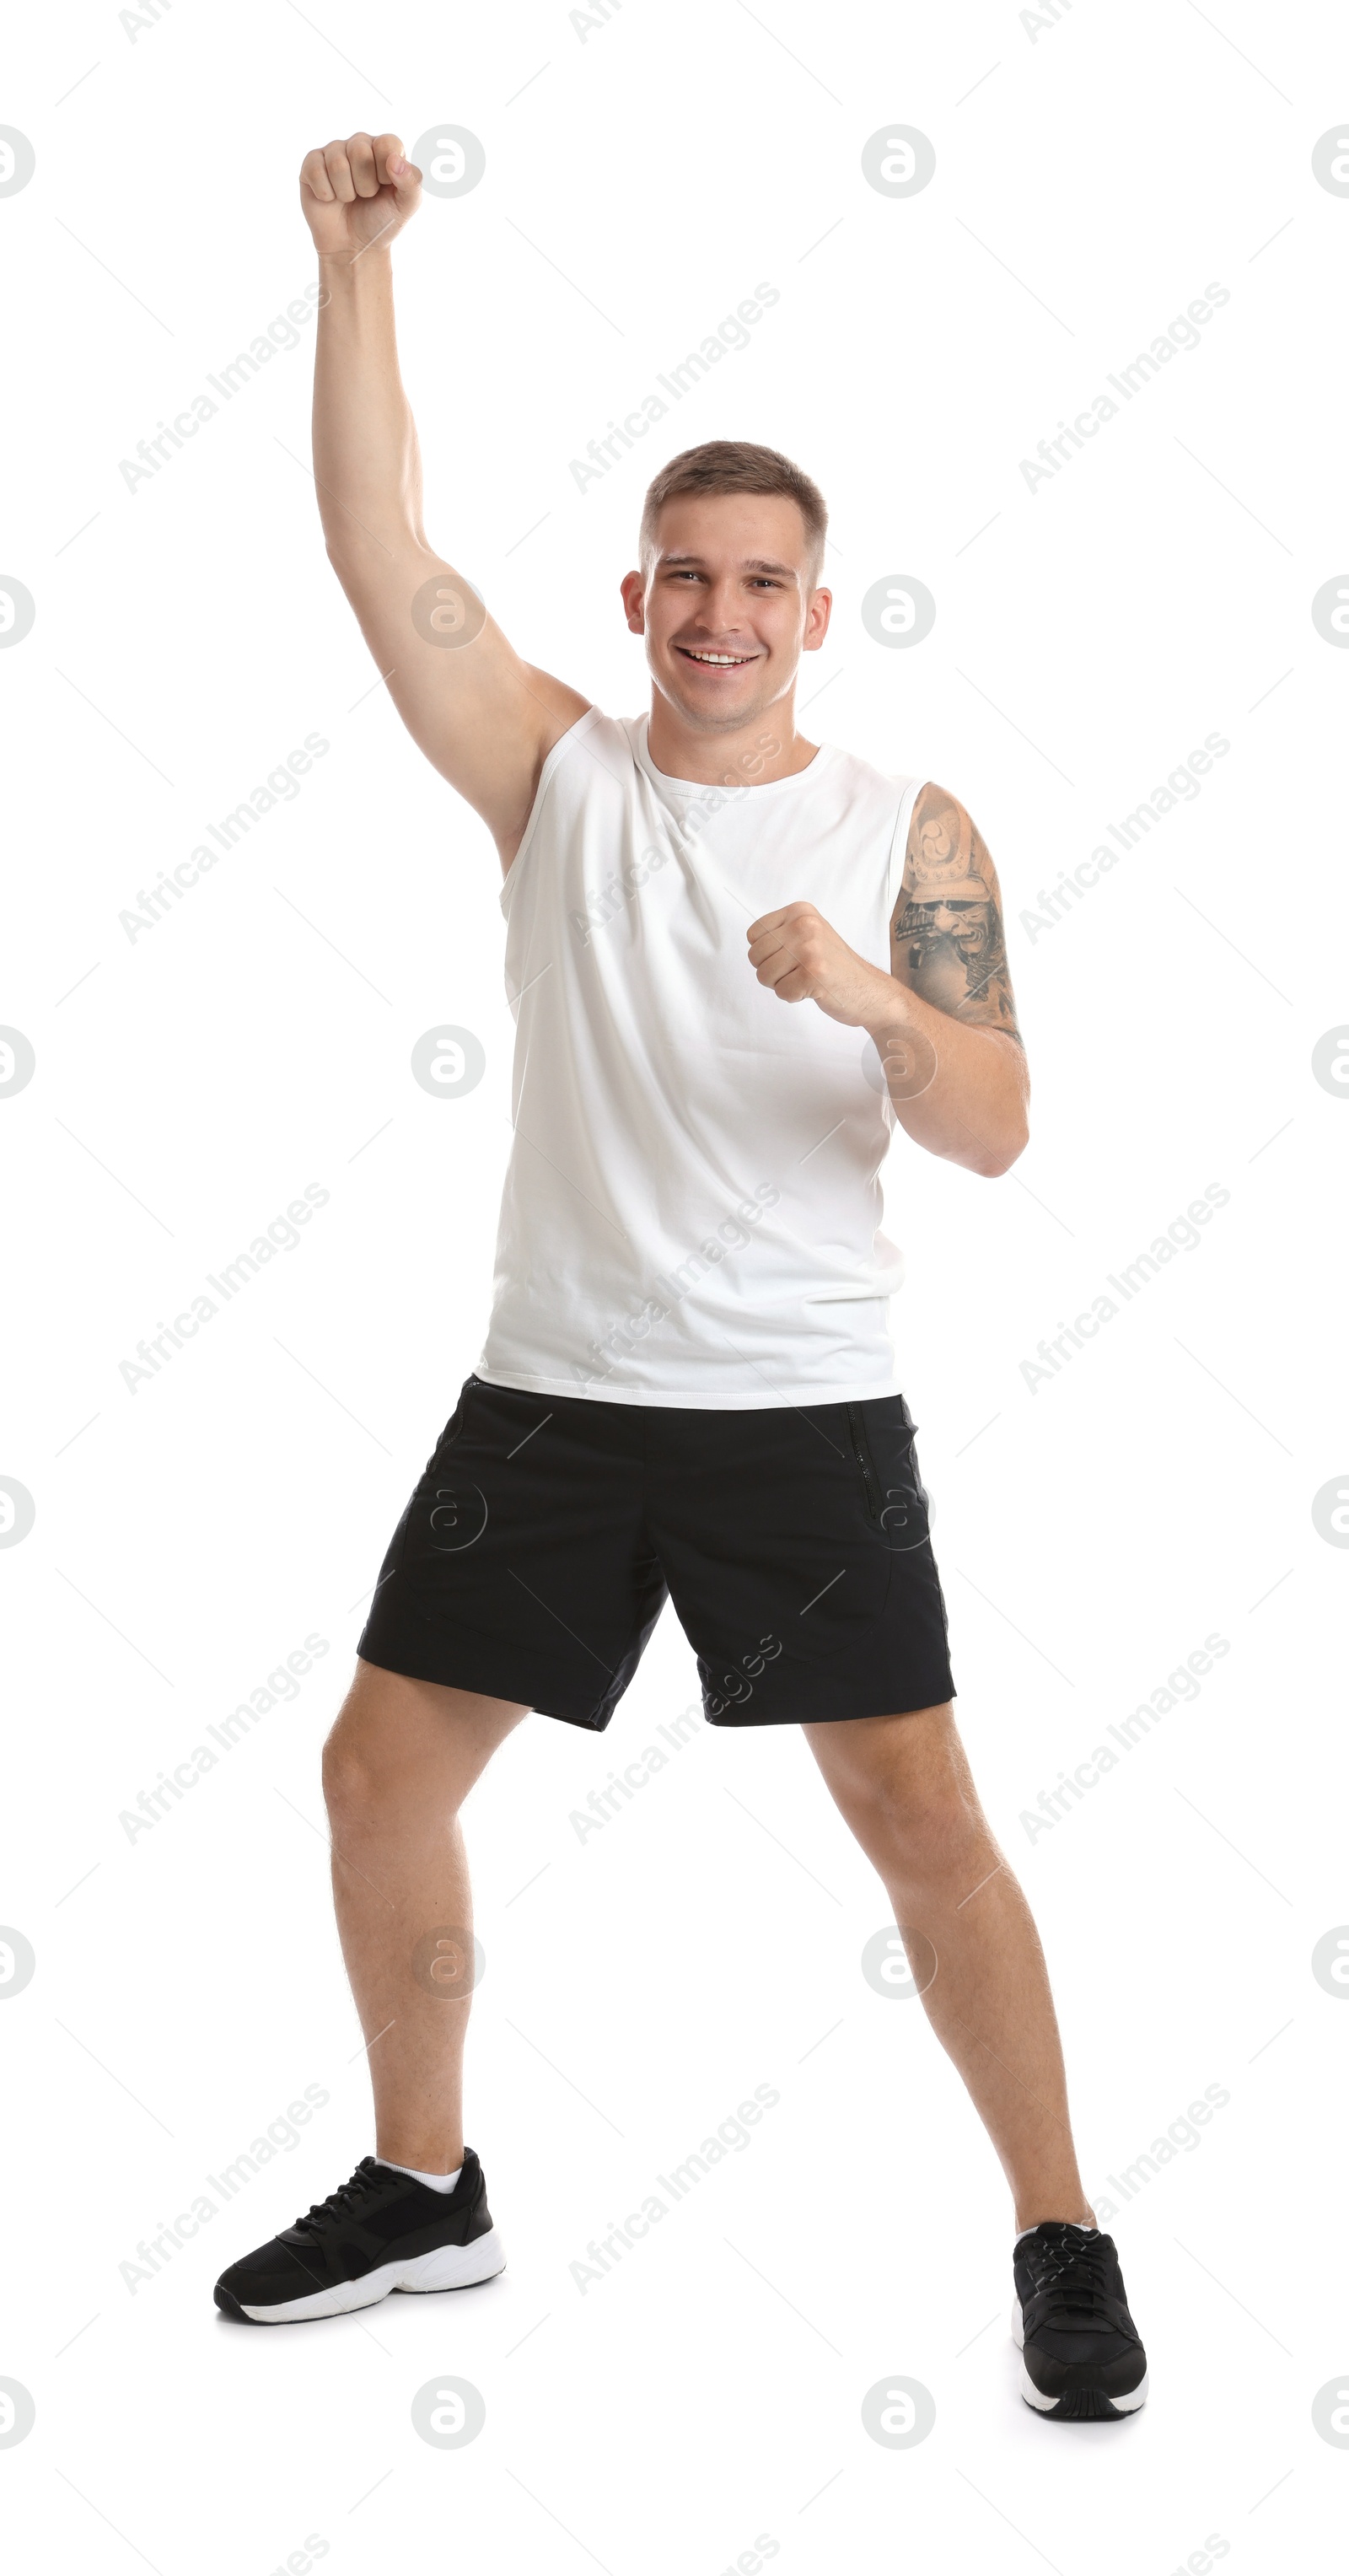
562 783
591 745
946 848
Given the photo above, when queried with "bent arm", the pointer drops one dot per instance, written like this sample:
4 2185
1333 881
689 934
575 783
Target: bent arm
959 1090
943 1020
486 719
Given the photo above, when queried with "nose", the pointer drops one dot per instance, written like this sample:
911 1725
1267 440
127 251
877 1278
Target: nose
719 608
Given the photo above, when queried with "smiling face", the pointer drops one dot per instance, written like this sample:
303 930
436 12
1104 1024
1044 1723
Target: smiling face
727 604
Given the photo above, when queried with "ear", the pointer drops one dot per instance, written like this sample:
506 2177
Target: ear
817 620
633 592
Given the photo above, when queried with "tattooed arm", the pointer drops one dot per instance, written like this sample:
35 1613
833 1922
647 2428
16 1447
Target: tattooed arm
946 939
947 949
943 1020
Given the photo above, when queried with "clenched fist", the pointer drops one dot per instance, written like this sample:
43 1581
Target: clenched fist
357 193
801 957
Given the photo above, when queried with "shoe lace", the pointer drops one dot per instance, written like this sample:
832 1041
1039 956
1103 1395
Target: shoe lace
324 2213
1074 2267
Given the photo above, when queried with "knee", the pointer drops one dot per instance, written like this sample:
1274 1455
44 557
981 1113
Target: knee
361 1774
350 1776
930 1836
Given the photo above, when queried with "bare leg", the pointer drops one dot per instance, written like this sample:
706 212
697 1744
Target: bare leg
397 1767
904 1786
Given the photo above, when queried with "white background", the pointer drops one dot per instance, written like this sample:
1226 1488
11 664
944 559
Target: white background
1093 175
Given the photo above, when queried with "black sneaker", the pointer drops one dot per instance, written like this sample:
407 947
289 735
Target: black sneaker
381 2231
1081 2355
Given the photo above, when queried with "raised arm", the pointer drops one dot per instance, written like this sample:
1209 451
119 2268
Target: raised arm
943 1020
484 718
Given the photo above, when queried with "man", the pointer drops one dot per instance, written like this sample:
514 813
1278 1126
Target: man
687 1380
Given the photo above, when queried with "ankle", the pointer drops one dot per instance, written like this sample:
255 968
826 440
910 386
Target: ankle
419 2155
430 2178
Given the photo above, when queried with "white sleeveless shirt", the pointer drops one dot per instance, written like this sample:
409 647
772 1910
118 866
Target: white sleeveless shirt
692 1206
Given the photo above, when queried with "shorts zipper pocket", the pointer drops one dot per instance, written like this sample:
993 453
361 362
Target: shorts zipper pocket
863 1456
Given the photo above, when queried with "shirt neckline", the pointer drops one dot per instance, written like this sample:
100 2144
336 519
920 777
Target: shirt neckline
662 778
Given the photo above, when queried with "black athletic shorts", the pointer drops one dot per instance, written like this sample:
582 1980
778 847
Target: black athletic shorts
538 1548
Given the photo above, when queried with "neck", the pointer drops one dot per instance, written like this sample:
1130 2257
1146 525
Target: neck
765 747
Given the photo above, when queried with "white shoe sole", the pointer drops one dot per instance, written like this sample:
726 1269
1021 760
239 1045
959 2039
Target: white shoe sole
448 2267
1045 2405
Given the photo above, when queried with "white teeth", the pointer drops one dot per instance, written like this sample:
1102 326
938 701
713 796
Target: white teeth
732 658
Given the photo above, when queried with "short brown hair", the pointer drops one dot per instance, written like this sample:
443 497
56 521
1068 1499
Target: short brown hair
736 465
